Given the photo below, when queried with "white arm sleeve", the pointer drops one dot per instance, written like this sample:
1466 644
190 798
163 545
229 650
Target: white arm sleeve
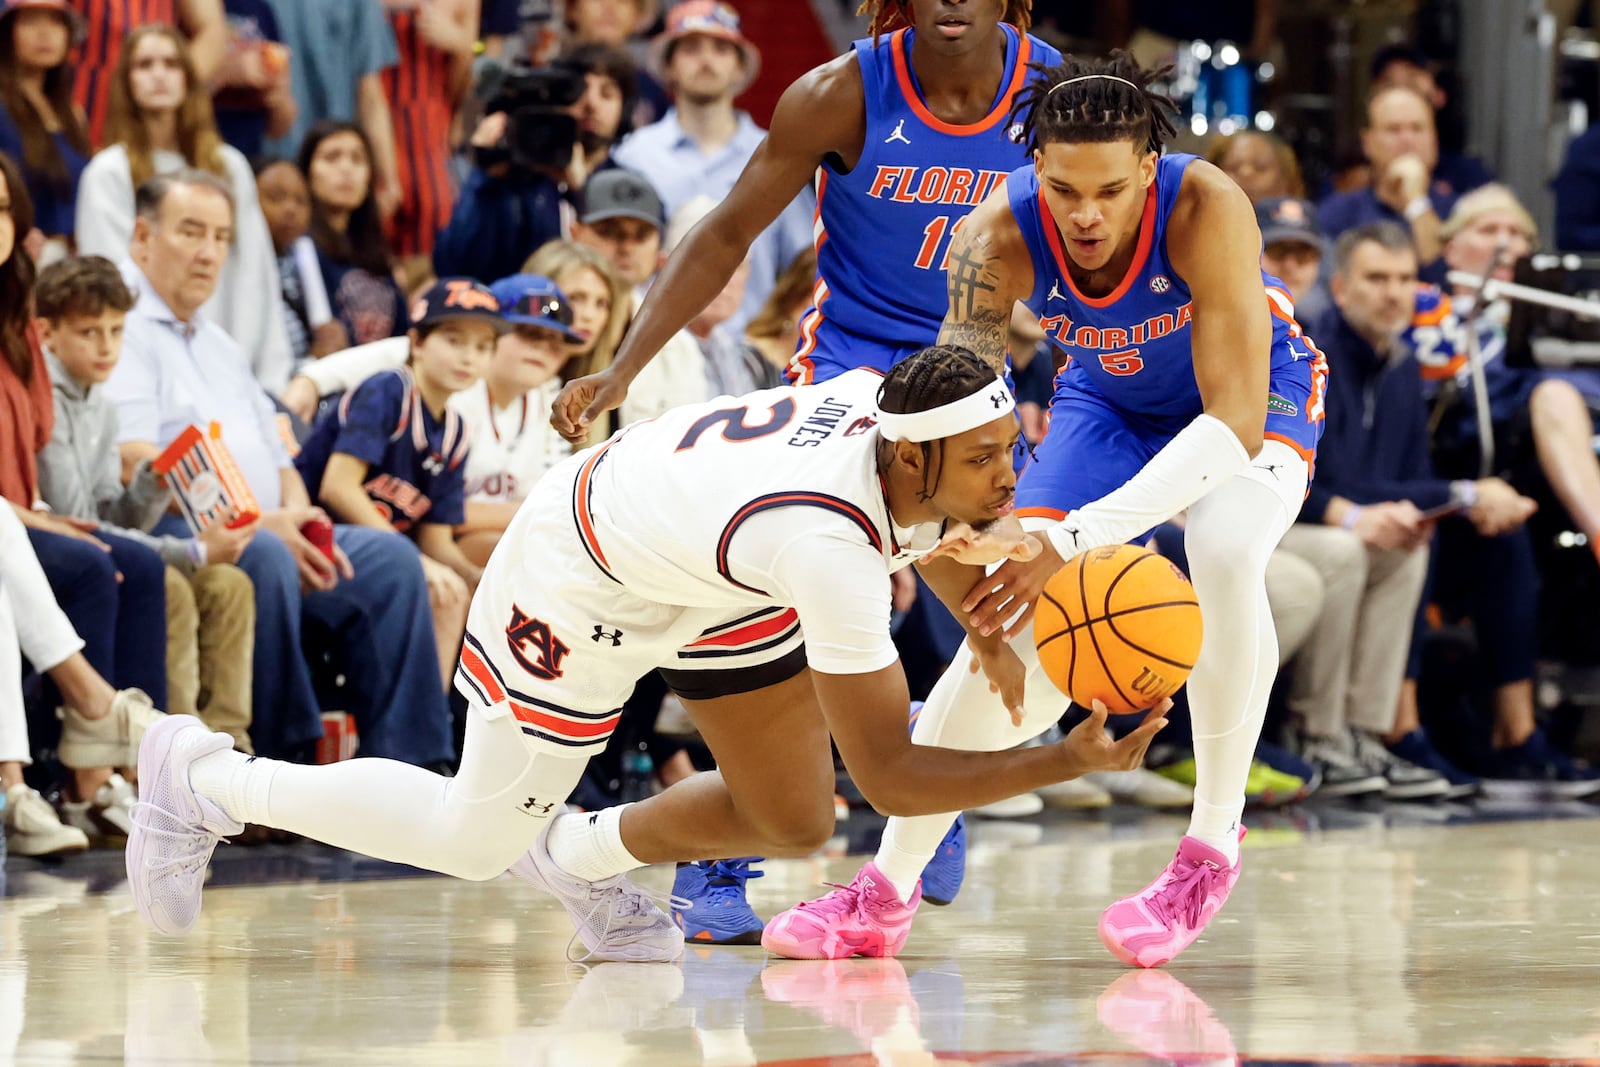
1201 457
342 371
835 580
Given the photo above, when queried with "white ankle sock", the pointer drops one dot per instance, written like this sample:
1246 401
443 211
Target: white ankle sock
236 783
1218 826
589 845
902 868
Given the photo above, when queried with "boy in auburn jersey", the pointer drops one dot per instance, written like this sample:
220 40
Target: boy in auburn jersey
904 135
1190 386
393 455
806 499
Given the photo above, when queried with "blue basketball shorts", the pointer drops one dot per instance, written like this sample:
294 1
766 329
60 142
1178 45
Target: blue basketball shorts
1092 447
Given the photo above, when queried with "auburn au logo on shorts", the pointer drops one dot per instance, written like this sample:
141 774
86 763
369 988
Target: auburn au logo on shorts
537 650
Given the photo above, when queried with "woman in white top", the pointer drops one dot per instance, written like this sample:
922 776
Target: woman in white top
160 120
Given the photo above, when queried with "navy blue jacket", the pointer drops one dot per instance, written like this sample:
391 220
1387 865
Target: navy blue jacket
1375 444
1578 195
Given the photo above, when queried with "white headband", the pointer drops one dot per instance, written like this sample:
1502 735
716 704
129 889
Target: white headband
947 420
1088 77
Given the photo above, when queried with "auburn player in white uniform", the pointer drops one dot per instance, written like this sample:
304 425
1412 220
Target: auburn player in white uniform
698 543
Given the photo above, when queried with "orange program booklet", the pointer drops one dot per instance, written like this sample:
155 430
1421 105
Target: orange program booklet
205 481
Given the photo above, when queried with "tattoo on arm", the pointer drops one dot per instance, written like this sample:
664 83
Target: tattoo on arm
973 283
984 332
971 274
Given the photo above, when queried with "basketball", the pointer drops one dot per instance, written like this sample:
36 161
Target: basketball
1118 624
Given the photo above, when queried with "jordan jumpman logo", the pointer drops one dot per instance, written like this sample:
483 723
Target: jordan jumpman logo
1055 291
899 134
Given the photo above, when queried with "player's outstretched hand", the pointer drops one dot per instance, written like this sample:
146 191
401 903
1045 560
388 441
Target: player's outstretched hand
1011 589
583 400
1001 540
1005 672
1091 748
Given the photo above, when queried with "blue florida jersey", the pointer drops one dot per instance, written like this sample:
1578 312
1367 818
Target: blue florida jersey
415 463
1132 346
883 229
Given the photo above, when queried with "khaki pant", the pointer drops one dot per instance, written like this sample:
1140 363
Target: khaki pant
1295 591
211 633
1350 670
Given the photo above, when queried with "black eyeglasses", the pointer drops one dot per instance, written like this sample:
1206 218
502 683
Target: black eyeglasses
545 307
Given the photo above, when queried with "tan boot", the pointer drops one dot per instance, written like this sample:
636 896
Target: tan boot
112 741
33 828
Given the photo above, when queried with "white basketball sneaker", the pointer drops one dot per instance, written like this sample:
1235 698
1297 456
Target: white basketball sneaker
175 829
617 920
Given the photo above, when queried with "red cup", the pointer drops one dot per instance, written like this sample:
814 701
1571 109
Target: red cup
319 532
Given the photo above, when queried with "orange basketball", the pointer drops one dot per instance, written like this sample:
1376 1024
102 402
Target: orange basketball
1120 625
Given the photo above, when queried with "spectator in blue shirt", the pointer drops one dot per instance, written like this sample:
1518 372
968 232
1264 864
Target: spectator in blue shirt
177 370
347 228
339 50
253 99
39 126
392 456
1406 64
1402 146
700 146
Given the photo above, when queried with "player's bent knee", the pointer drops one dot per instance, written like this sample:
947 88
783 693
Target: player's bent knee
799 831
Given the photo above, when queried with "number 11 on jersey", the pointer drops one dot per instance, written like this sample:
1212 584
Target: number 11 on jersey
933 236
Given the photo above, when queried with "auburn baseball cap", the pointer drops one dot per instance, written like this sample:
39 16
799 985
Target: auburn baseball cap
458 298
618 193
1287 218
75 24
534 300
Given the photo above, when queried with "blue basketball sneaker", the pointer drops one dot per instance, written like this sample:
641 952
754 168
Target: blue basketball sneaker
718 913
941 878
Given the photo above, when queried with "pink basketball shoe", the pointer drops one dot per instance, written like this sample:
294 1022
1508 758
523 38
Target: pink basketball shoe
1151 927
865 918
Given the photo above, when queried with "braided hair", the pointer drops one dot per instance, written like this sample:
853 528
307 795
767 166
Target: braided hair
935 376
890 15
1086 100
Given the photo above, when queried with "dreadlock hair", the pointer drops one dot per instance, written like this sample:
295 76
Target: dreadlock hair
1081 101
935 376
890 15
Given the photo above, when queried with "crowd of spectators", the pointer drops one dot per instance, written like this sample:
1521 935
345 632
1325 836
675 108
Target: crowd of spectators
328 229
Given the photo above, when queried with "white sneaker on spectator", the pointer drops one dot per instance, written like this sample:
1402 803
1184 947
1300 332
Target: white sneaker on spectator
1075 793
109 813
1143 787
33 828
175 829
1018 807
109 741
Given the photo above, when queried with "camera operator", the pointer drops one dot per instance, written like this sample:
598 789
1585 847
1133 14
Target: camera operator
545 131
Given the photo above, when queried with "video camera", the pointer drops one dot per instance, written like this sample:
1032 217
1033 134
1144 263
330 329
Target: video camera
1558 331
540 131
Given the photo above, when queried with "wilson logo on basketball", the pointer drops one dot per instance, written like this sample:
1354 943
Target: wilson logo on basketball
1153 686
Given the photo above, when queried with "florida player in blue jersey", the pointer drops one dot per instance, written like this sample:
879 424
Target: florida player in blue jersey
903 136
1189 386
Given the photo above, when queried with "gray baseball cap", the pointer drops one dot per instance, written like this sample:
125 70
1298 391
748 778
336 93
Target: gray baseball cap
618 193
